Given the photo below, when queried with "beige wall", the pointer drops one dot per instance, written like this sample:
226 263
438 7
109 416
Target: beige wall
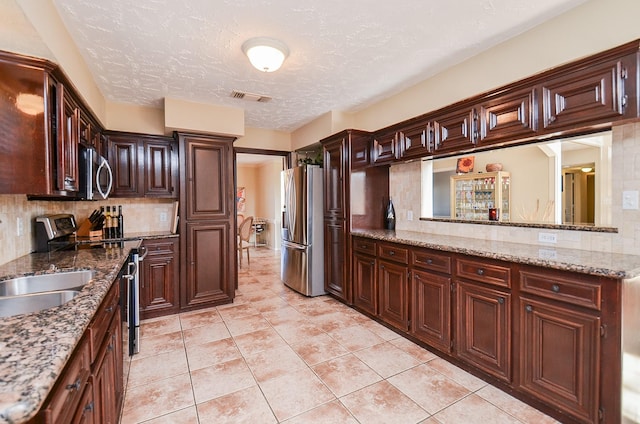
247 177
182 115
259 138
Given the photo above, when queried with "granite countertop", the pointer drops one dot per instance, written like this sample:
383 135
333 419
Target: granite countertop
34 348
613 265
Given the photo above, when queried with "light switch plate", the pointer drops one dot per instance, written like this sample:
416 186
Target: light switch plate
409 215
630 199
547 237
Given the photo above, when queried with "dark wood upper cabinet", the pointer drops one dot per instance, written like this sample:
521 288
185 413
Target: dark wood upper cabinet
335 168
455 131
384 147
361 152
415 141
68 138
143 165
510 116
586 96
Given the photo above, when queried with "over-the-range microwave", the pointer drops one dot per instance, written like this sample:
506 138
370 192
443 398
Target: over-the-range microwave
96 177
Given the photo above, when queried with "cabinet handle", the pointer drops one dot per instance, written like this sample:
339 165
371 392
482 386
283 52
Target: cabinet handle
381 266
391 253
89 407
109 309
501 300
110 347
429 261
528 308
74 386
555 288
372 263
480 271
363 246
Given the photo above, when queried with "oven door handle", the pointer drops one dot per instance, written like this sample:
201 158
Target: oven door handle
132 269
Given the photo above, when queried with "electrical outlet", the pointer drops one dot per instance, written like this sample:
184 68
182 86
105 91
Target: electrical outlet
630 199
547 237
19 227
547 254
163 217
409 215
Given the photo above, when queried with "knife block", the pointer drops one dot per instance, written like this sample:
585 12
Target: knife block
85 231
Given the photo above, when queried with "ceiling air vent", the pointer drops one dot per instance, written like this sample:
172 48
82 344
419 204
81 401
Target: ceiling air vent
252 97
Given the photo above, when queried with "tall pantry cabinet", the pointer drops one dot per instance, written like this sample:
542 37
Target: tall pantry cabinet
346 163
207 220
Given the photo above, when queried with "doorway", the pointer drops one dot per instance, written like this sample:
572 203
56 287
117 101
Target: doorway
578 194
258 193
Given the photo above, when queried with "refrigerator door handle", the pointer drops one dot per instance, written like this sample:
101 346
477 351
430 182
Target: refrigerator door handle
295 246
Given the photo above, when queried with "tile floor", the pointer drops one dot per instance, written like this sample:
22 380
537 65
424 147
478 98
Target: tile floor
274 356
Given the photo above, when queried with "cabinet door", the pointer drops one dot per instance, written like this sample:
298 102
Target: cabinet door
393 286
483 331
123 158
208 275
159 286
511 116
384 147
360 152
160 173
431 309
585 96
86 409
334 179
365 294
209 179
455 131
560 357
67 146
414 141
335 265
104 384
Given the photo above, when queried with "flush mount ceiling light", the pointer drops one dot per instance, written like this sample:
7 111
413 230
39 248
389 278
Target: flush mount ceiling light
265 54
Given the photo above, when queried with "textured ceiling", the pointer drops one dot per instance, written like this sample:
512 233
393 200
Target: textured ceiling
345 55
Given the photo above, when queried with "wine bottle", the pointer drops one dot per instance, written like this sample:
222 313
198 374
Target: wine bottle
120 222
107 224
390 217
114 222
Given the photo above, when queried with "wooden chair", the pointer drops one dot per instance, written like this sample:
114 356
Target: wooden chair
239 219
244 233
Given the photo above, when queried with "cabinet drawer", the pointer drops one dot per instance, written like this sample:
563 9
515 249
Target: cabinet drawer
428 259
484 272
564 288
364 246
159 247
393 252
102 319
69 388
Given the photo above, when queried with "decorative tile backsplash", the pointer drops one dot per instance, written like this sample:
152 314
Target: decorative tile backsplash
140 215
405 189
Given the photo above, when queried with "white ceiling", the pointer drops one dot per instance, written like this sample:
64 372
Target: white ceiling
345 55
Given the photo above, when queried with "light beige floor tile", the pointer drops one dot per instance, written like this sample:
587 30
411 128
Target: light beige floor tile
211 353
206 333
420 353
286 314
244 406
232 310
474 409
183 416
294 393
428 388
379 330
331 322
298 332
157 399
158 326
221 379
259 341
319 349
513 406
355 337
457 374
246 324
274 363
157 367
345 374
386 359
329 413
382 403
154 345
199 318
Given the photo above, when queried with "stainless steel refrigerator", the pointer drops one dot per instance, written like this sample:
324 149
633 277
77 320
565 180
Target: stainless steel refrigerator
302 266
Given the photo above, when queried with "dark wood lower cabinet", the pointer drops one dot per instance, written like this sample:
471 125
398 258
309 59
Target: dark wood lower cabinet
560 357
335 263
159 282
365 294
483 333
208 280
393 294
431 309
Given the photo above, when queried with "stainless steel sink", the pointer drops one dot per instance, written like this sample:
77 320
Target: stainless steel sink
24 304
45 283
